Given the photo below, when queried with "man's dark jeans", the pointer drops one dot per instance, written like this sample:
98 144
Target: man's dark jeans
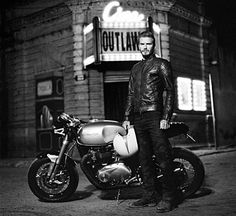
152 140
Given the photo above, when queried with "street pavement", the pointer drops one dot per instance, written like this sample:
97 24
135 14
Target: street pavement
216 197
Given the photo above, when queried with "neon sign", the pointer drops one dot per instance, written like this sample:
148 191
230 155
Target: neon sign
115 37
120 15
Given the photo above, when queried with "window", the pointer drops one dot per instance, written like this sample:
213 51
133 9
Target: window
199 95
44 88
191 94
184 93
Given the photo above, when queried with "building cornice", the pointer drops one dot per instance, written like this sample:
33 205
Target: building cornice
163 5
189 15
63 9
40 17
170 6
189 37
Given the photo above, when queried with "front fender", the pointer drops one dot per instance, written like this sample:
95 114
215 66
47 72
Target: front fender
44 154
52 156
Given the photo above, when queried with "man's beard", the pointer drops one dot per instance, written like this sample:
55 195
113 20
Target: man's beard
146 56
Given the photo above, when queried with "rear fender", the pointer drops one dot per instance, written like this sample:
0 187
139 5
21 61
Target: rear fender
176 128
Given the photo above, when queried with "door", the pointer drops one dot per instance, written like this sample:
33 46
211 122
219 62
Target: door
115 96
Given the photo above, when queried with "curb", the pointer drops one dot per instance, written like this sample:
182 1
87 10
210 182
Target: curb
201 153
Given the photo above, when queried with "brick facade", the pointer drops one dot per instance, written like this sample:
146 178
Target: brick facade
50 41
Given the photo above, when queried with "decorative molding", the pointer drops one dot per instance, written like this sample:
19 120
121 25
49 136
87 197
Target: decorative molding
164 5
188 36
189 15
40 17
71 6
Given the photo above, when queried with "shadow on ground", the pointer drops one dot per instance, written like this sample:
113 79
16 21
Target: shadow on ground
79 195
136 193
204 191
124 193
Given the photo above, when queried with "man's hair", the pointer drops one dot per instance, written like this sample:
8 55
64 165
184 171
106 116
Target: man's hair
146 34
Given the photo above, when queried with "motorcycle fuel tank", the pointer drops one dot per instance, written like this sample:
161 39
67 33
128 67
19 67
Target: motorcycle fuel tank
100 132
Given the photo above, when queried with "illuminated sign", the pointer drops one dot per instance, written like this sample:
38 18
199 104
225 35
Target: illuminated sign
120 44
89 57
115 37
120 15
115 41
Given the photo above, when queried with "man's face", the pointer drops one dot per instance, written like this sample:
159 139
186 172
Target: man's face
146 46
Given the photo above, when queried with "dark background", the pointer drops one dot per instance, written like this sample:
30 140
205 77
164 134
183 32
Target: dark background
223 15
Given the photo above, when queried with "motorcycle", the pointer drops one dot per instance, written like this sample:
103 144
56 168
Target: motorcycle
53 176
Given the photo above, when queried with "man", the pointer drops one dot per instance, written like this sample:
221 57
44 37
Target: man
148 80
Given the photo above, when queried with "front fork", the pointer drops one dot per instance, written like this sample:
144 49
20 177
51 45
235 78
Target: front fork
56 161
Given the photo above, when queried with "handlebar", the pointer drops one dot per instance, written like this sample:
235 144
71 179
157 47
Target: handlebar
68 119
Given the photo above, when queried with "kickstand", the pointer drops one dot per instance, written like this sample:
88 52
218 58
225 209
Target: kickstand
117 197
190 137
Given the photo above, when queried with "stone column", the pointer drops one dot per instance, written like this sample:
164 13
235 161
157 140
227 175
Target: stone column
76 85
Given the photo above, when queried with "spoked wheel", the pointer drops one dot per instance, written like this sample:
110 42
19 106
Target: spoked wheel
189 171
64 184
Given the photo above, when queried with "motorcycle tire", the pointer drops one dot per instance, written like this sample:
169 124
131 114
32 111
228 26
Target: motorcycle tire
60 190
191 174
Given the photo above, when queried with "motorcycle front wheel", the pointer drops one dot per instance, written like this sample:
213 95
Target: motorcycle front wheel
188 170
61 188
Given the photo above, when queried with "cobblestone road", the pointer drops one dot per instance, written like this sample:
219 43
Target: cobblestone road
217 197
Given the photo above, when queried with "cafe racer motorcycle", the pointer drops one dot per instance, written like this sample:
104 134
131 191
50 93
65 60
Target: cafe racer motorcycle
53 176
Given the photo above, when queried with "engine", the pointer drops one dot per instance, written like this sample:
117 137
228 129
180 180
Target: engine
116 172
101 165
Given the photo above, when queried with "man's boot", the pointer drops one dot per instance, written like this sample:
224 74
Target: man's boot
164 206
148 200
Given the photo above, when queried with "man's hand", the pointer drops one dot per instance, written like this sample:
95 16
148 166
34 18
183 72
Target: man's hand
164 124
126 124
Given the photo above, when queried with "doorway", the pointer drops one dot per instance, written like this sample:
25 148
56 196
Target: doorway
115 96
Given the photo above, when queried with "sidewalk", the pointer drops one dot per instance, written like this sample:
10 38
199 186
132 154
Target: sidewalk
25 162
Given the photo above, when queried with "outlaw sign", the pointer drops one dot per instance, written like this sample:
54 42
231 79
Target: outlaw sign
119 40
115 37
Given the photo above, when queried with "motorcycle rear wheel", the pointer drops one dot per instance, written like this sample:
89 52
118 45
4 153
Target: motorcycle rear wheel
189 171
61 189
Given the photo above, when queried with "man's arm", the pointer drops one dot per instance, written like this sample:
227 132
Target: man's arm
170 90
126 123
129 97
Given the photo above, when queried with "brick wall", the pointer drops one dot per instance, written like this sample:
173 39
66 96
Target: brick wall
42 44
189 57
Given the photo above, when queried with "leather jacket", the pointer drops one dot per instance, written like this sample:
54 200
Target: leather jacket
149 78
